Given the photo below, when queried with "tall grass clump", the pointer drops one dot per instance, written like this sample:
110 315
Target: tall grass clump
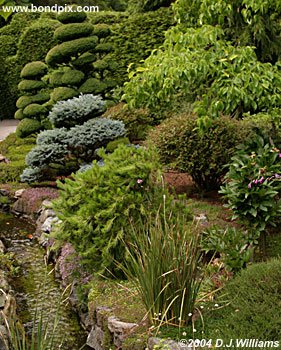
163 262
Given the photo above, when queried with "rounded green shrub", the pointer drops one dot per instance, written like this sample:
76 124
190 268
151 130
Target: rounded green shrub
203 156
33 70
30 85
62 53
104 48
251 311
102 30
137 122
19 114
84 60
27 127
72 77
55 78
101 65
34 111
73 31
71 17
24 101
92 86
63 93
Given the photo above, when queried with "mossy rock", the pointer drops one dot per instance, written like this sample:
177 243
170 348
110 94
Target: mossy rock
92 86
19 114
64 52
71 17
72 77
63 93
73 31
102 30
84 60
30 85
27 127
34 110
24 101
55 79
104 48
34 70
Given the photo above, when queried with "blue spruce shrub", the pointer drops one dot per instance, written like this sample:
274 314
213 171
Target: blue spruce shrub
76 110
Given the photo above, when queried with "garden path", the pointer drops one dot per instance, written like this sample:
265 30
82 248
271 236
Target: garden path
7 126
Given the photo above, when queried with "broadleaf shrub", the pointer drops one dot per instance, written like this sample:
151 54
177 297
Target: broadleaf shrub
203 156
96 205
253 184
76 110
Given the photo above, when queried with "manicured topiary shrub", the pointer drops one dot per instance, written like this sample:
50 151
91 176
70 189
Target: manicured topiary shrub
72 77
27 127
203 156
63 93
34 70
32 37
71 17
73 31
76 110
35 93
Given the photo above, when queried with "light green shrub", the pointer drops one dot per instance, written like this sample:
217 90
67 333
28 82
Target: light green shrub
24 101
71 17
63 93
27 127
73 31
34 69
72 77
93 86
66 50
34 111
31 85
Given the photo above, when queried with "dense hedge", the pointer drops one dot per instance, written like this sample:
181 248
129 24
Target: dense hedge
134 37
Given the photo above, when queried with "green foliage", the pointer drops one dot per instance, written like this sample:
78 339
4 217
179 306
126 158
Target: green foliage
200 66
24 101
147 5
27 127
137 121
132 38
72 31
84 60
95 205
251 311
34 111
63 93
55 78
64 52
34 69
15 149
253 185
92 85
31 85
203 156
66 17
76 110
19 114
72 77
234 246
102 30
167 283
246 23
